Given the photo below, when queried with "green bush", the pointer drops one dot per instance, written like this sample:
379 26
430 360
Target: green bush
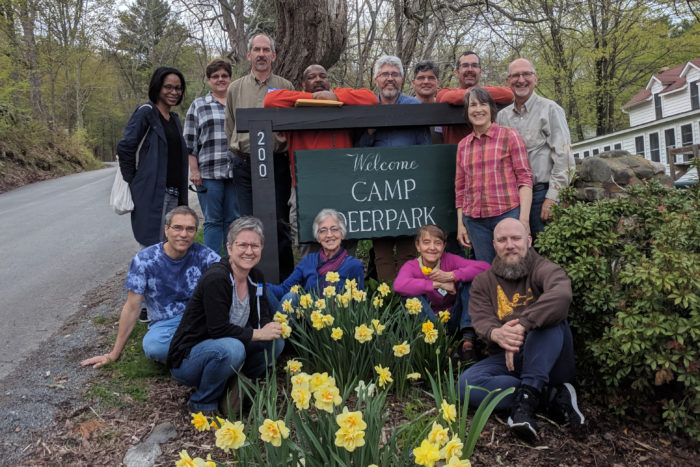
634 265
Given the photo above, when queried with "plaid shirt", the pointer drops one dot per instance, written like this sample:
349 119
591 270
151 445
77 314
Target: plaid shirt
489 172
205 137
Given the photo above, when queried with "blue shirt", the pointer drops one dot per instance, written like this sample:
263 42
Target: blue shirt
406 136
165 283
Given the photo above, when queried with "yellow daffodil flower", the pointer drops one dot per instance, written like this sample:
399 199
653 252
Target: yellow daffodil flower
439 435
286 330
401 349
328 320
337 334
456 462
185 460
320 304
273 432
279 318
413 306
319 381
294 289
453 448
448 411
363 333
444 316
287 306
351 433
317 320
377 302
379 327
350 284
426 270
293 366
200 422
230 436
427 454
327 397
384 289
384 375
413 376
329 291
332 277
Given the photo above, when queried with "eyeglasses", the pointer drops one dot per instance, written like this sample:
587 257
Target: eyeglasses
244 246
386 74
325 231
475 66
169 88
198 189
524 74
190 229
220 76
426 78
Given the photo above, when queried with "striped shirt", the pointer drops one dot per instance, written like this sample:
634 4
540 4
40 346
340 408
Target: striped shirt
490 169
205 137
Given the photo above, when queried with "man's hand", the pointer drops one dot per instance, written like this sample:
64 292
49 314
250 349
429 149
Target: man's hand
546 213
196 177
509 360
325 95
510 336
270 331
98 361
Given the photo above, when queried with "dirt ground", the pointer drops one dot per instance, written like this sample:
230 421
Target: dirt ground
50 421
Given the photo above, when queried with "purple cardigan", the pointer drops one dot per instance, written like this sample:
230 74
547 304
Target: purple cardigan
411 282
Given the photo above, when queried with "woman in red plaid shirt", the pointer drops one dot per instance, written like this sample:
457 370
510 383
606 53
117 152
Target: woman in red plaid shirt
493 178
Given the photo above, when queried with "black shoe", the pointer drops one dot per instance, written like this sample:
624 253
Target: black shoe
143 317
564 408
522 416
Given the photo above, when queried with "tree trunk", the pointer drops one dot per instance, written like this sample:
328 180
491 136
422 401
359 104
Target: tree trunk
27 15
309 32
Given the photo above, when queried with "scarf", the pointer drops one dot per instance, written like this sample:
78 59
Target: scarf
326 265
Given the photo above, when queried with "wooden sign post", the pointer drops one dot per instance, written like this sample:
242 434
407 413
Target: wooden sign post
260 123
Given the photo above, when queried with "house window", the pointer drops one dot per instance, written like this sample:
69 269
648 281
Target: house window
694 96
686 135
639 145
670 137
618 146
576 155
606 148
595 151
586 154
654 147
657 107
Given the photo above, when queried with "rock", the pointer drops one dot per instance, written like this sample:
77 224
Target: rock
642 168
162 433
142 455
594 194
595 169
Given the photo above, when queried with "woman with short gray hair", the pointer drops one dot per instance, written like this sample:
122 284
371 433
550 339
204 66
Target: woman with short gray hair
310 274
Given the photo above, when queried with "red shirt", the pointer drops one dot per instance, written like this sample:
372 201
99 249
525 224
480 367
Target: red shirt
453 134
490 169
318 139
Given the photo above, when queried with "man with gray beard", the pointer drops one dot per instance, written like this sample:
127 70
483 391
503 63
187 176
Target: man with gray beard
519 307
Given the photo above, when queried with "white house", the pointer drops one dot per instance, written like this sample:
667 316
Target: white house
664 115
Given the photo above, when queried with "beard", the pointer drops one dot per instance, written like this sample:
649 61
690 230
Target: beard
514 271
389 93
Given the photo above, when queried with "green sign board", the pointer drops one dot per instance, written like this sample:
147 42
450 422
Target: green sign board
381 191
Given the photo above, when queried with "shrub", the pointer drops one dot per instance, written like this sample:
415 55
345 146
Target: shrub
634 265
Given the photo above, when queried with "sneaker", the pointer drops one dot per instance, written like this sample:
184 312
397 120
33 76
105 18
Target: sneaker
230 402
467 352
143 317
564 408
522 415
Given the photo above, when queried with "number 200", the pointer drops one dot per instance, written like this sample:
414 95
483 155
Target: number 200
262 155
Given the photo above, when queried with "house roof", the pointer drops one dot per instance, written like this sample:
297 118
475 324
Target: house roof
671 79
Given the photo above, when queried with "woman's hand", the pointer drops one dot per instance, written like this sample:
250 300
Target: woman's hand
462 235
448 287
270 331
526 223
438 275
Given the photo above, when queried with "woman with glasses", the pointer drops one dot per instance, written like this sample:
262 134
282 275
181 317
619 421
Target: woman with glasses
310 274
153 157
211 169
227 326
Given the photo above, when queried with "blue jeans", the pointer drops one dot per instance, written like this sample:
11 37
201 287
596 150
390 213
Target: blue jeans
546 357
536 223
220 208
243 185
459 315
480 231
213 361
156 342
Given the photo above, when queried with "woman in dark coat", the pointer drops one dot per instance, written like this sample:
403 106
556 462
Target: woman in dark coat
159 182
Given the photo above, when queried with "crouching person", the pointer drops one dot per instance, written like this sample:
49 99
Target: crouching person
519 307
441 281
227 327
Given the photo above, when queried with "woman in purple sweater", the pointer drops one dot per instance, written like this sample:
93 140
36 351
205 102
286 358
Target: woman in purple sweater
441 281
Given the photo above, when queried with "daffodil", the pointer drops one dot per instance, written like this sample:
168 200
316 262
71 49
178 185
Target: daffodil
329 291
230 436
351 433
448 411
319 381
413 376
359 295
286 330
377 301
200 422
367 389
317 320
431 337
294 288
327 397
413 306
453 448
379 327
301 396
293 366
456 462
185 460
320 304
384 375
287 306
273 432
444 316
439 435
332 277
401 349
327 320
343 300
279 318
384 289
209 462
305 301
337 334
427 454
363 333
426 270
350 284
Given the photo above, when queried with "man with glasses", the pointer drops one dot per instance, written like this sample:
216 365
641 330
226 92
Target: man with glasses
388 77
542 124
468 72
163 275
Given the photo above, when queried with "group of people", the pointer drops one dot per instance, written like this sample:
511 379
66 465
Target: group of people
211 317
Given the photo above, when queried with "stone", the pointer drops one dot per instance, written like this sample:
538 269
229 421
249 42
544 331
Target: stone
142 455
595 169
162 433
594 194
641 167
612 154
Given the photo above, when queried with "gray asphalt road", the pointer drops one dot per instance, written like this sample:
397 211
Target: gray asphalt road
59 239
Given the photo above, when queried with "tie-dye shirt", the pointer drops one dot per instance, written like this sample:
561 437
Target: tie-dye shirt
165 283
